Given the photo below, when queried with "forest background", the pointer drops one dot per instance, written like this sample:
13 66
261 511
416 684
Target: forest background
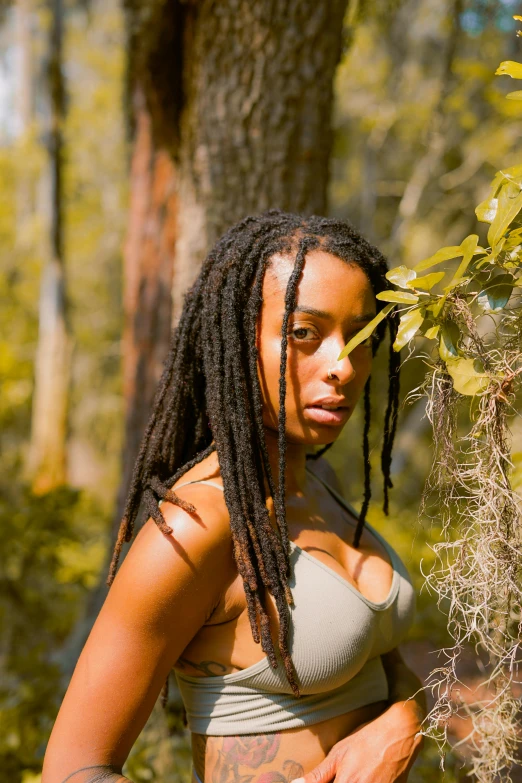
420 125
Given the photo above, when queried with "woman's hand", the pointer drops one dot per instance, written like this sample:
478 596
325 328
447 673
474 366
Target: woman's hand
382 750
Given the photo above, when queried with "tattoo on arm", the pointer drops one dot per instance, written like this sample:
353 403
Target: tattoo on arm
206 667
105 774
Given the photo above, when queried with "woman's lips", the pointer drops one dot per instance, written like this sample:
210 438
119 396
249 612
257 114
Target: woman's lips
324 416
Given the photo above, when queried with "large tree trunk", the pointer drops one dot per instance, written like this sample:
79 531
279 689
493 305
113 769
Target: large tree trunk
239 95
47 457
229 107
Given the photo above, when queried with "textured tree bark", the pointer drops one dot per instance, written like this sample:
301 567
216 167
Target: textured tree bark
255 129
229 111
148 270
47 462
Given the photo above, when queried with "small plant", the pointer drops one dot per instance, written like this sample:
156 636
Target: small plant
471 321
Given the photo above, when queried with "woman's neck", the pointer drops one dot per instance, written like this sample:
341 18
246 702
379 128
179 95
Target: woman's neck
295 463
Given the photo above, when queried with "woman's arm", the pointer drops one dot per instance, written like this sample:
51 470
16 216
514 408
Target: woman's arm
406 693
165 590
383 749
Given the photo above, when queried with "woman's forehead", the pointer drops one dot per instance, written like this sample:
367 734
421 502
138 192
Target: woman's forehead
326 283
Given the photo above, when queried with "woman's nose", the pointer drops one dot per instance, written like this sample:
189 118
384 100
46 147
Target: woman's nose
343 371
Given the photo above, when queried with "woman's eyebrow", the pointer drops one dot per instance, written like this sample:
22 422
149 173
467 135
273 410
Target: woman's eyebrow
328 316
364 317
313 311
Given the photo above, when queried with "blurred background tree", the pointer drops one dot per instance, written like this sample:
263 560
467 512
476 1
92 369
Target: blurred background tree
178 121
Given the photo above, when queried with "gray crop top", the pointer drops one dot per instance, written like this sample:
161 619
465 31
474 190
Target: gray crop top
336 639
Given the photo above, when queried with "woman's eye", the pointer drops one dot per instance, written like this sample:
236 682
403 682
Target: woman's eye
303 333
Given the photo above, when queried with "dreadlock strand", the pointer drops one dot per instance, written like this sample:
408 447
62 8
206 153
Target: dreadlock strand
319 453
290 302
241 429
367 465
121 538
253 308
284 627
151 505
390 418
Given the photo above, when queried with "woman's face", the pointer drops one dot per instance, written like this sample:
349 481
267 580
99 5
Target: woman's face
334 301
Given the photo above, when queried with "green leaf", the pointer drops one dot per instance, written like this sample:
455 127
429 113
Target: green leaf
491 257
514 96
509 68
449 338
397 296
366 332
513 172
495 295
437 308
513 253
509 205
432 332
468 376
400 276
409 326
487 210
468 247
444 254
426 282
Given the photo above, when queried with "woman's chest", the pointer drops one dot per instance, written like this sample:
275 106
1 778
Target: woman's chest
338 611
325 531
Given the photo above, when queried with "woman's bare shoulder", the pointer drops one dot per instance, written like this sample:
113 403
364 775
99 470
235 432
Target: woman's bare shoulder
200 539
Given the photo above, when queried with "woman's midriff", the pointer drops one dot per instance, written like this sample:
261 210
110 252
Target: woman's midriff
277 757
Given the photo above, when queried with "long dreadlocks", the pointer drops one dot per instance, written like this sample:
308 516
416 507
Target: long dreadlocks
209 398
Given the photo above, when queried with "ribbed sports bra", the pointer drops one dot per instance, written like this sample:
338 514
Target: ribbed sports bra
336 638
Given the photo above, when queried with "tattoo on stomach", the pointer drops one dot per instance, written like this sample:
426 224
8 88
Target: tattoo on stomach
241 759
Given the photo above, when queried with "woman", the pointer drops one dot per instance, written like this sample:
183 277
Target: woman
246 546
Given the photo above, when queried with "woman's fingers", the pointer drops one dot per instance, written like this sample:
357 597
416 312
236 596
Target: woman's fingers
323 773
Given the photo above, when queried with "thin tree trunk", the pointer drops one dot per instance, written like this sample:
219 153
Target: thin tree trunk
47 457
436 142
24 111
148 273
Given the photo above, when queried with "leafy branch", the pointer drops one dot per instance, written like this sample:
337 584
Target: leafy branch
470 320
